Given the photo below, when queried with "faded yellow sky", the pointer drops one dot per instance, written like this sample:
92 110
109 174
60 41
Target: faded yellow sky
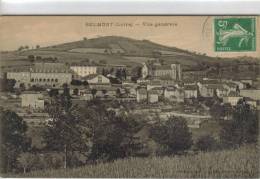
194 33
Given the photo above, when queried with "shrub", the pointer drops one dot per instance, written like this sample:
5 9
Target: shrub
243 128
173 134
206 143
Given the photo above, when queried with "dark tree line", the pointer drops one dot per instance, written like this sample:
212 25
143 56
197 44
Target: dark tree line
103 135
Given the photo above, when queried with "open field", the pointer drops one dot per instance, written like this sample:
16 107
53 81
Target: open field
242 162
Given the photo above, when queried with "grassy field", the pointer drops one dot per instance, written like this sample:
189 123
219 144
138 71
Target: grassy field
243 163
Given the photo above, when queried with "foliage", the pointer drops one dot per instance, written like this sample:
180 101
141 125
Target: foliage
217 111
13 139
136 73
53 92
111 134
206 143
174 134
114 138
76 82
93 92
64 132
7 85
243 128
75 91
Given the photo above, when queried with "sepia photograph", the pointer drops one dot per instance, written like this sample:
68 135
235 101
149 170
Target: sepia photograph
129 96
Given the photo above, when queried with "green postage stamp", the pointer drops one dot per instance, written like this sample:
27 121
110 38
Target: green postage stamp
235 34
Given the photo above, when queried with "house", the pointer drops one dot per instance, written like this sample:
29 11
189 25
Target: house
42 74
232 98
96 80
32 100
80 71
194 74
174 94
251 102
153 96
159 90
157 70
212 89
251 93
130 89
232 86
153 84
190 91
141 95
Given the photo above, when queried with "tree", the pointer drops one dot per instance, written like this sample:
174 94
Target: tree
93 92
119 74
76 82
136 73
26 160
13 139
217 111
53 92
64 132
243 128
111 70
102 62
85 83
173 134
7 85
20 48
123 73
38 57
206 143
105 72
31 58
22 87
76 91
114 137
118 92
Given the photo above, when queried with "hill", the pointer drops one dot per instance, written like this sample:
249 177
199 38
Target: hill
242 163
115 50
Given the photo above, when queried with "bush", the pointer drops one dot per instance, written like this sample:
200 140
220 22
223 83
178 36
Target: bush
115 138
243 128
206 143
173 134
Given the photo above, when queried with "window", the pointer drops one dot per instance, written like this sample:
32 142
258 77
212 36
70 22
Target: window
40 79
99 79
56 80
32 80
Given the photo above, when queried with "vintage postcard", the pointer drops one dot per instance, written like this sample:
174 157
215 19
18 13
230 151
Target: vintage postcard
130 96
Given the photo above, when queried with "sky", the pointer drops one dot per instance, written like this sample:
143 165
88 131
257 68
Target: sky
194 33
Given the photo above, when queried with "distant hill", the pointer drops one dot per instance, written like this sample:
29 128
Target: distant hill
119 50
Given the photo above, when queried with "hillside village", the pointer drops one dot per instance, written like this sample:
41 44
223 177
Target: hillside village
155 87
98 100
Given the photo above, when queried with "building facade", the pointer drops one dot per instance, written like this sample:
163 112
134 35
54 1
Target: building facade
141 95
42 74
32 100
174 94
155 70
82 71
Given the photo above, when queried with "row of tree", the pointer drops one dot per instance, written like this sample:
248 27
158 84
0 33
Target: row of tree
98 134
